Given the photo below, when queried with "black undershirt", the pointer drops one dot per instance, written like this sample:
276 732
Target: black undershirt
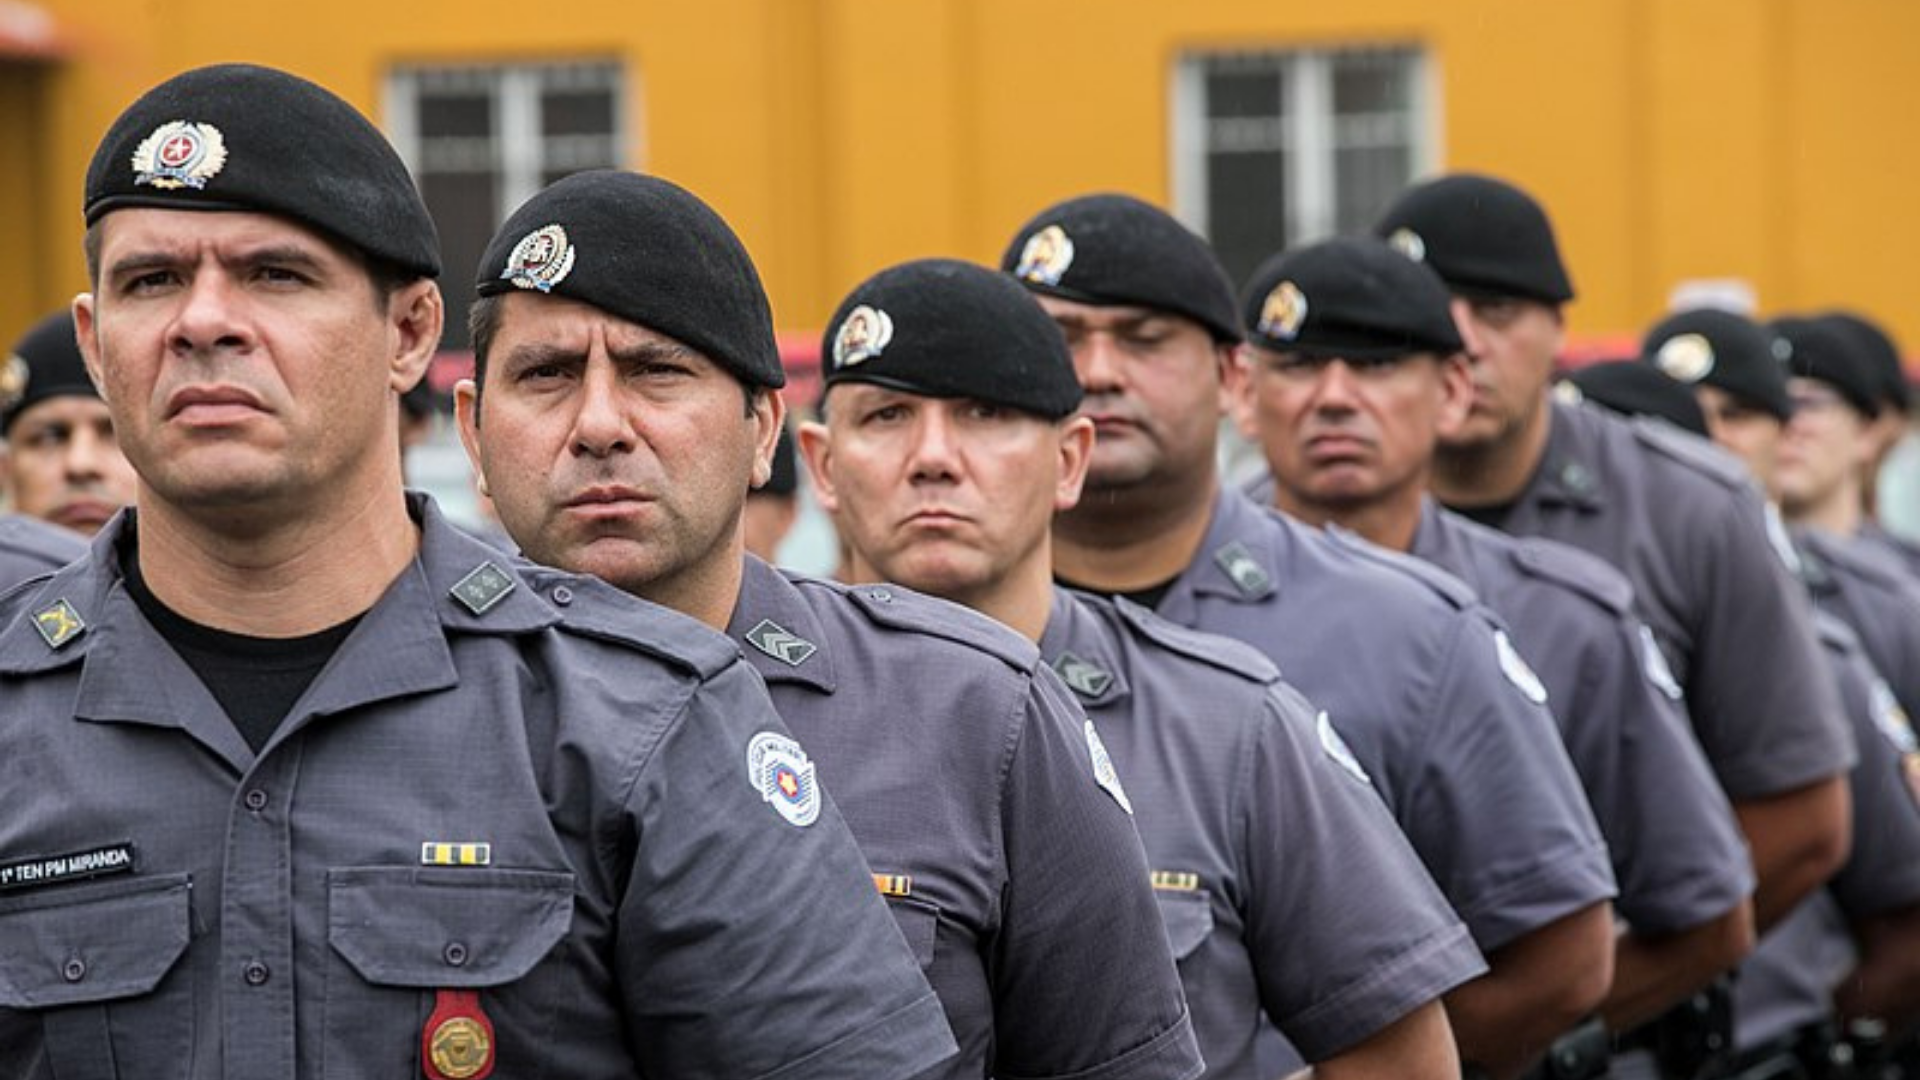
1148 597
256 680
1490 516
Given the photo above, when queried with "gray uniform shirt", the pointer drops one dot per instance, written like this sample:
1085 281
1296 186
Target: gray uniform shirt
508 780
1903 550
1678 854
1681 519
1869 590
1788 981
1437 708
1288 891
30 547
970 778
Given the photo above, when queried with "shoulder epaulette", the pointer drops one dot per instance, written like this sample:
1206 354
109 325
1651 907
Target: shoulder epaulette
1458 594
1695 453
1575 570
598 610
897 608
1233 657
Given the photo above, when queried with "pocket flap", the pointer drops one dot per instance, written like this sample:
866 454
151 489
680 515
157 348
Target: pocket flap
1188 917
919 923
92 943
446 927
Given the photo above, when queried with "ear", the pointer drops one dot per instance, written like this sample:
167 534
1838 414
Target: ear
84 336
1076 451
1240 394
1456 393
769 413
466 412
1231 366
815 443
416 314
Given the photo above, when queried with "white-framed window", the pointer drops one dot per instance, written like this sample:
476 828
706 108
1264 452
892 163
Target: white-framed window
481 139
1277 148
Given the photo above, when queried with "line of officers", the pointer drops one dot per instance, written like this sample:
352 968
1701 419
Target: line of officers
1487 733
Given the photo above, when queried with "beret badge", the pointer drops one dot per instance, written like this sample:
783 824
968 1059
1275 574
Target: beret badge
542 259
1408 243
180 154
13 381
1045 258
1283 312
1685 357
864 334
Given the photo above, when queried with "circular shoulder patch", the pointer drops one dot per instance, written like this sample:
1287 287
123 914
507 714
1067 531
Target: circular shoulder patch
781 772
1517 670
1104 773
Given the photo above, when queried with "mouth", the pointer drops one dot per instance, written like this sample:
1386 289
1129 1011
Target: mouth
212 405
607 497
1336 447
84 514
936 518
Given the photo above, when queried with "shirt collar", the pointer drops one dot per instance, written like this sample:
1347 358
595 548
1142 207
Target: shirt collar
1082 649
782 637
1237 558
1568 474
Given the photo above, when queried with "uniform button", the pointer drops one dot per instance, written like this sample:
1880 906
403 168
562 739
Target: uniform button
256 973
256 800
455 953
881 595
74 969
562 595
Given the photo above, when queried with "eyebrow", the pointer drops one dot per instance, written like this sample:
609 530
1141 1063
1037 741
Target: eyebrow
539 352
161 259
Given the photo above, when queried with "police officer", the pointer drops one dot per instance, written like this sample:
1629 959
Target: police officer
624 401
1347 400
1894 397
1405 661
1288 892
1855 940
297 780
59 463
1685 526
773 507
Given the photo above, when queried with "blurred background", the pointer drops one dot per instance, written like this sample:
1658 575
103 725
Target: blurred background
1760 153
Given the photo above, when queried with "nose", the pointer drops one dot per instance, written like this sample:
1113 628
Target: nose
1334 387
210 319
1471 334
601 427
85 457
934 456
1096 362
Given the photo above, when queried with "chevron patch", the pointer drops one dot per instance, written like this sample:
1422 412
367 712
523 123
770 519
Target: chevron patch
485 586
780 643
1247 573
1087 679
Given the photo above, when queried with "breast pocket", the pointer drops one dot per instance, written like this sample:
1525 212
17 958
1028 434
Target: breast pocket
96 965
1188 917
919 923
401 933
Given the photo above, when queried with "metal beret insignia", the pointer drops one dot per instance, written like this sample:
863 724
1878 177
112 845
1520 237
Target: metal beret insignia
542 259
1045 258
1408 243
14 374
1284 310
864 334
180 154
1685 357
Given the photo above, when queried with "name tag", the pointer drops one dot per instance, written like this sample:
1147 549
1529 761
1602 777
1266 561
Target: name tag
74 866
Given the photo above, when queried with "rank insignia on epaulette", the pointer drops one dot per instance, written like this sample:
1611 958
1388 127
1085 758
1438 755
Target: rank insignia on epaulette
780 643
445 853
1045 257
1245 571
1083 677
542 259
180 154
485 586
1175 880
58 623
898 885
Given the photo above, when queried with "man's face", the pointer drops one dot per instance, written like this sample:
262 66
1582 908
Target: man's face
1511 344
62 463
1342 434
1824 446
1752 433
945 495
245 360
1154 391
613 450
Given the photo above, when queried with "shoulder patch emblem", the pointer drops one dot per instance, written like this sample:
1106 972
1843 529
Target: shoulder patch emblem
1654 662
1893 723
780 643
1337 748
179 154
542 259
783 775
1045 257
864 334
1515 668
483 587
1245 571
1281 314
58 623
1104 773
1084 677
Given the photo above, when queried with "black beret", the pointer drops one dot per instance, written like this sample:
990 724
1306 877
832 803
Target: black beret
1636 389
1720 349
45 363
785 476
1115 250
1481 235
645 250
240 137
1876 345
1355 298
1813 349
946 328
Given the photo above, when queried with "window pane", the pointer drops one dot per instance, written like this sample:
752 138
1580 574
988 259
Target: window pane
1374 82
1367 179
1246 209
459 114
463 211
1244 90
576 112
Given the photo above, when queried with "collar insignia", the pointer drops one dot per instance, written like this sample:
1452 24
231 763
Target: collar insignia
1245 571
483 587
780 643
1085 678
58 624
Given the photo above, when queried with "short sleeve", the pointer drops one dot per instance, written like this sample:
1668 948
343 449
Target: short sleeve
752 942
1078 994
1883 870
1321 851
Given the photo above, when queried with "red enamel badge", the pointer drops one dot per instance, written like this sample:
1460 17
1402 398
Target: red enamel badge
457 1041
